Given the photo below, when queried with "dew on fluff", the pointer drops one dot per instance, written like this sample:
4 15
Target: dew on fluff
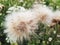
20 25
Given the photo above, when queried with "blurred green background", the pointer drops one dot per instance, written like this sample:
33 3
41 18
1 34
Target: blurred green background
44 36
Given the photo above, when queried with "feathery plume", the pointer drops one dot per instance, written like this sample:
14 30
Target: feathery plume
20 25
44 14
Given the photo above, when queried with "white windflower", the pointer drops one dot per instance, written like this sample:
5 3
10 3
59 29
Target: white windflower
50 39
20 25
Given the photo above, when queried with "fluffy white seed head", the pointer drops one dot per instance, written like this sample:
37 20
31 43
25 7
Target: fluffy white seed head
20 25
43 13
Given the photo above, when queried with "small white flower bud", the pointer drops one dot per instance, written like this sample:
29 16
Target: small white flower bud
50 39
54 32
21 0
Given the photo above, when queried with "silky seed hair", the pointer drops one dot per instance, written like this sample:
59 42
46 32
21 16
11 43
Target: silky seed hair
20 25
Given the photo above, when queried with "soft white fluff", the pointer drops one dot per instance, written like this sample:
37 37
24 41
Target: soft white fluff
57 15
20 25
43 13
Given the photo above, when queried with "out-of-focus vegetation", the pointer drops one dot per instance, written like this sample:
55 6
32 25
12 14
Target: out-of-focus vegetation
44 36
